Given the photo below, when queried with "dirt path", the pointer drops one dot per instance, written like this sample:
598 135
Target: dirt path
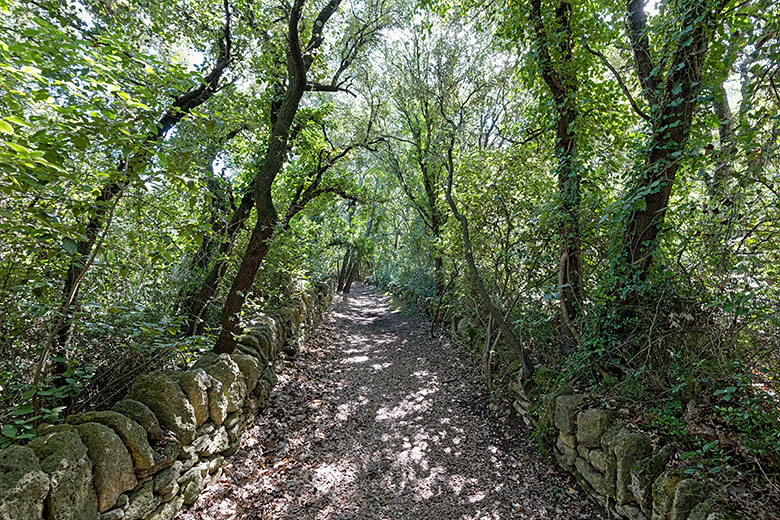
376 421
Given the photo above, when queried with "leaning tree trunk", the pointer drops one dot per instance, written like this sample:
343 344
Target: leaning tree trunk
353 274
527 366
198 301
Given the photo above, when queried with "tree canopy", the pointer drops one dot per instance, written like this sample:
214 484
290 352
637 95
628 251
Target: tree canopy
588 191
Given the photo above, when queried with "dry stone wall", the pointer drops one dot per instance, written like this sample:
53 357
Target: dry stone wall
156 449
617 464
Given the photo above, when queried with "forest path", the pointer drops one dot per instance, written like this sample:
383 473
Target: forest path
375 420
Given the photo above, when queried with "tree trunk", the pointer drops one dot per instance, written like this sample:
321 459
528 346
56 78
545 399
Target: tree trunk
257 248
198 300
527 368
345 267
672 109
562 83
353 273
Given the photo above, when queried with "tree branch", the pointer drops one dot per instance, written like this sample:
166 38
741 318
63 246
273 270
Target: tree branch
640 44
641 113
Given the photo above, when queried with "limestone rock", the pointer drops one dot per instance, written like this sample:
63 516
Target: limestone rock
567 454
215 463
630 512
168 510
46 429
64 458
593 477
702 510
165 480
606 464
112 466
233 419
207 429
192 483
663 493
217 443
643 474
163 395
234 432
629 447
265 384
222 368
250 370
189 457
114 514
249 339
142 502
141 414
687 494
132 434
195 384
218 403
232 448
591 425
23 486
566 407
167 453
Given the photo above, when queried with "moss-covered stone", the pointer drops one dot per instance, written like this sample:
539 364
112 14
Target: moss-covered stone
687 494
566 408
250 370
218 402
141 414
163 395
143 502
112 466
664 488
132 434
629 447
630 512
168 510
64 458
591 425
23 485
165 480
594 477
217 443
195 384
643 474
222 368
566 453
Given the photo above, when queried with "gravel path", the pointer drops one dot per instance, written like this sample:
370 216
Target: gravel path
374 420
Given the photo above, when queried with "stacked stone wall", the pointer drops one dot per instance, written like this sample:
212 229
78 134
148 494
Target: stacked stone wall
622 468
618 465
157 448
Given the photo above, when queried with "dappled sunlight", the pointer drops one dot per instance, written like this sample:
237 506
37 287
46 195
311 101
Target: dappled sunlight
375 421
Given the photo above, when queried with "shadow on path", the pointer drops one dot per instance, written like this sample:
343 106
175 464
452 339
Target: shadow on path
375 420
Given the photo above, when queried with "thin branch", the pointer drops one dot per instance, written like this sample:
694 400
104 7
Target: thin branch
623 86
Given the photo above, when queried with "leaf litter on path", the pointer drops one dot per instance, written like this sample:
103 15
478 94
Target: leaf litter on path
376 420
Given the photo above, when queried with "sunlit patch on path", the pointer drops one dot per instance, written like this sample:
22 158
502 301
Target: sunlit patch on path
377 421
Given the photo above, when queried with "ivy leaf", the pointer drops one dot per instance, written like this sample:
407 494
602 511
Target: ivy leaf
70 246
